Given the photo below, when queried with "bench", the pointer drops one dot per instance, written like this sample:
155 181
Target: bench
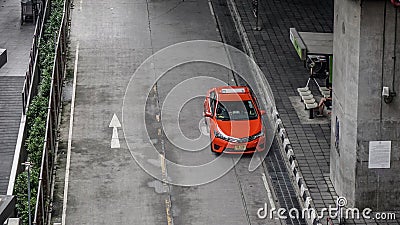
325 92
308 99
311 107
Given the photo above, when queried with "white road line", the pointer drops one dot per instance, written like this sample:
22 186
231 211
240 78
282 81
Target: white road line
80 5
270 198
71 123
211 9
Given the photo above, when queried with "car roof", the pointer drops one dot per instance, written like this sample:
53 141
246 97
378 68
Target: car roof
233 93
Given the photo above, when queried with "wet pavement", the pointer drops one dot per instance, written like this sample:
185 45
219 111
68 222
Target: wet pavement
109 185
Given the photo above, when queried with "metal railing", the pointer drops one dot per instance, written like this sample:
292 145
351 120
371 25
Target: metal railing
29 90
55 98
32 75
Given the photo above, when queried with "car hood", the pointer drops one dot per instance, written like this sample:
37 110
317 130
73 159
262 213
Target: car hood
239 128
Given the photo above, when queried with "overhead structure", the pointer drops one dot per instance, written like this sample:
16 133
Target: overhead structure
311 43
316 50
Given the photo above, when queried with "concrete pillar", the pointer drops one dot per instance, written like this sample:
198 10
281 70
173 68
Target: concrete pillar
366 42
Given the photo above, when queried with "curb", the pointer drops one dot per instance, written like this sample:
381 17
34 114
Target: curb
303 195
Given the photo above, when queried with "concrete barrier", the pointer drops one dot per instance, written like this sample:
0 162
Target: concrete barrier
7 206
14 221
3 57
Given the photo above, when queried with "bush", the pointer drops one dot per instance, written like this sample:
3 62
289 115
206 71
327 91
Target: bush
21 191
37 112
37 108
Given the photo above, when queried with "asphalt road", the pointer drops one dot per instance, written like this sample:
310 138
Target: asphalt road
160 118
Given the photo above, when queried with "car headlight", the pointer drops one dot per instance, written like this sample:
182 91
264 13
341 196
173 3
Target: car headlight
224 137
259 134
221 135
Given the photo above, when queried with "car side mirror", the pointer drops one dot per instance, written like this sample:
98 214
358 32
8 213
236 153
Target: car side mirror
207 114
262 112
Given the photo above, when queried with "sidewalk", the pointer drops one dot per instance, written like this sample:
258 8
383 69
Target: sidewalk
17 40
285 72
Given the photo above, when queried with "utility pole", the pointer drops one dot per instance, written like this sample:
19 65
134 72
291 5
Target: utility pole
256 8
28 168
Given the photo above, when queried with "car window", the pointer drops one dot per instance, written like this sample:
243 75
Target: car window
236 110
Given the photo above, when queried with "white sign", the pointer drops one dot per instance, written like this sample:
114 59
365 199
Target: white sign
233 90
379 154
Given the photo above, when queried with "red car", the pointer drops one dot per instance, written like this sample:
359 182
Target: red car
234 120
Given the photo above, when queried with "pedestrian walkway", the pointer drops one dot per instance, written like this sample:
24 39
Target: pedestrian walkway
17 40
285 73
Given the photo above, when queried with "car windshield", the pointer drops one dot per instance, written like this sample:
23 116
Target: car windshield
236 110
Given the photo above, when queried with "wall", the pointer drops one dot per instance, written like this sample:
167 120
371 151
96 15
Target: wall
345 95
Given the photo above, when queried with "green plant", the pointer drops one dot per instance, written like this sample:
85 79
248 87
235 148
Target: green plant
37 108
37 112
21 191
44 89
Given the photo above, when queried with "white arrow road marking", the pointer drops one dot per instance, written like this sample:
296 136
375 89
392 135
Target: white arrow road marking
115 124
115 139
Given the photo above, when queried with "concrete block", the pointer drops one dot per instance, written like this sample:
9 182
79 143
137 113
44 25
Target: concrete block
3 57
14 221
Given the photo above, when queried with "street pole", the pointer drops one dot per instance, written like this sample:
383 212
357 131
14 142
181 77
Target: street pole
256 7
28 167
